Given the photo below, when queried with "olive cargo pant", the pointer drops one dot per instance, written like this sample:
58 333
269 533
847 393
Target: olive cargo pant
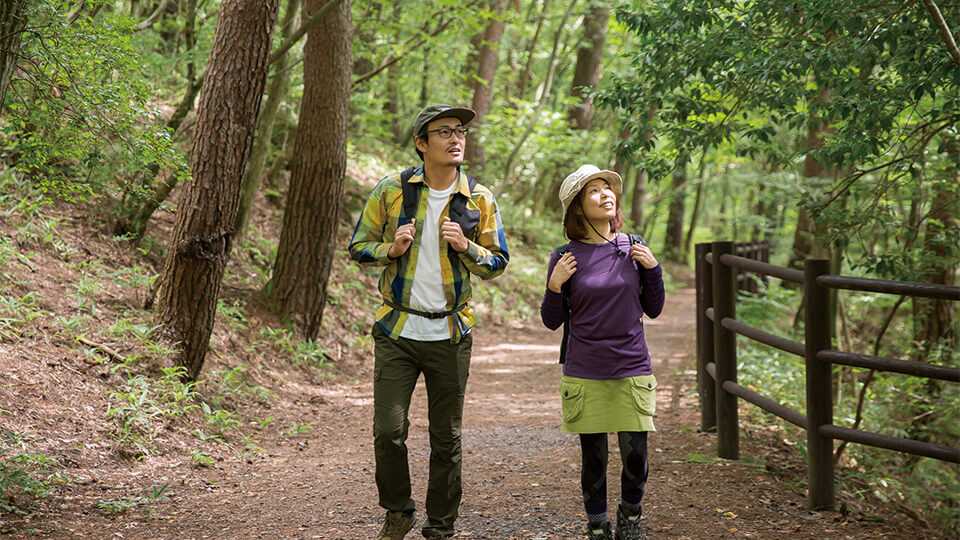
397 366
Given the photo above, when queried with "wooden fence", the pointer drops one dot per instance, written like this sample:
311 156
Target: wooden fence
717 267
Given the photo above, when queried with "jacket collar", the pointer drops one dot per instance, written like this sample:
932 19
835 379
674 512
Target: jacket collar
463 182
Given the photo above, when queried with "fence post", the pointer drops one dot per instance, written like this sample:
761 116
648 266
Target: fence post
725 352
705 384
819 386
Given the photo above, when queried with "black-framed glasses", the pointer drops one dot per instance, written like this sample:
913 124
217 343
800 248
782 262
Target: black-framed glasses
447 132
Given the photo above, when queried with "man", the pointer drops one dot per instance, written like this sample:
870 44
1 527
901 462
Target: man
430 230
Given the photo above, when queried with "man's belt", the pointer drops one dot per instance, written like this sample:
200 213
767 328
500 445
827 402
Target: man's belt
425 314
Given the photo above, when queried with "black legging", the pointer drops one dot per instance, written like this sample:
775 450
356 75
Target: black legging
593 472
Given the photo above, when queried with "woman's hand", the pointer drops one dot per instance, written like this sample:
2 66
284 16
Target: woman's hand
566 266
642 255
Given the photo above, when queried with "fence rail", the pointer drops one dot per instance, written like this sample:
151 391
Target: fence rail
717 280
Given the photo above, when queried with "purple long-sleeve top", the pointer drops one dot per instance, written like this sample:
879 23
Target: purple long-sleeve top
609 295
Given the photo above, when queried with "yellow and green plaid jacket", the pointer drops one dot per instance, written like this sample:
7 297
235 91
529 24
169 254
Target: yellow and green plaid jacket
486 256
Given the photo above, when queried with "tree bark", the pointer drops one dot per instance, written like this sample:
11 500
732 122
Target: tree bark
13 20
487 55
226 118
589 59
276 94
673 239
298 287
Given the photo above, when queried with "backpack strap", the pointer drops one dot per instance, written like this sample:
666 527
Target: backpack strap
411 196
459 213
637 239
565 295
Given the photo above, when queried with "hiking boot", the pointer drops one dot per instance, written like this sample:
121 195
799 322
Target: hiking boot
629 526
599 531
396 525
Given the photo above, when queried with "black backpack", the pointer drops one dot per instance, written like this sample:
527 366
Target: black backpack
565 294
468 219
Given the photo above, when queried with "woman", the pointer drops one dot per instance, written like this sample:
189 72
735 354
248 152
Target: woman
602 284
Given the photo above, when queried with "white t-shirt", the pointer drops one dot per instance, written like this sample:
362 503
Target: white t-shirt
426 293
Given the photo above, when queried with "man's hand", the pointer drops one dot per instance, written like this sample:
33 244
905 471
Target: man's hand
565 268
642 254
453 234
402 239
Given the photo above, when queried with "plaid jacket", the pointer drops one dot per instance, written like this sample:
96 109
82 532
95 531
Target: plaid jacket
486 255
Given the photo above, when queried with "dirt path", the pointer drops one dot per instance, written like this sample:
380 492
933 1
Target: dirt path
521 474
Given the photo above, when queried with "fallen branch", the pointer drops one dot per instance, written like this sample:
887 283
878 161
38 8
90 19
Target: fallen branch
110 352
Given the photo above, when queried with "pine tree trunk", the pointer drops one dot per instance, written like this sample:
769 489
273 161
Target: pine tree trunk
589 59
13 20
226 118
276 94
486 55
298 288
673 239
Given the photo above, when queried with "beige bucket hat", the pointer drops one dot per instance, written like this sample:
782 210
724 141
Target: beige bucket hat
573 183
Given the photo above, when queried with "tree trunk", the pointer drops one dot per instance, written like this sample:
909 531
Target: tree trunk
391 107
298 287
935 328
809 239
226 118
486 55
673 239
589 59
639 193
636 207
933 319
276 94
13 21
524 80
701 180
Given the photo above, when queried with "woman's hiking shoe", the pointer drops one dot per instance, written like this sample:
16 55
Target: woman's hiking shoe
396 525
629 526
599 531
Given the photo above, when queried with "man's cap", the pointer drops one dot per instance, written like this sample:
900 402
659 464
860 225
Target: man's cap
435 112
575 181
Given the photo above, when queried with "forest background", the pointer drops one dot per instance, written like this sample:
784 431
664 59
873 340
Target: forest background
828 129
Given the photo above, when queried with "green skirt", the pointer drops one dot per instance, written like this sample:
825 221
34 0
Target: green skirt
609 405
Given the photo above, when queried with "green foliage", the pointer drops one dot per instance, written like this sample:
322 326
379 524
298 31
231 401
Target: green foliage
299 428
141 405
221 420
201 459
17 313
24 477
155 494
890 408
80 120
300 352
235 384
